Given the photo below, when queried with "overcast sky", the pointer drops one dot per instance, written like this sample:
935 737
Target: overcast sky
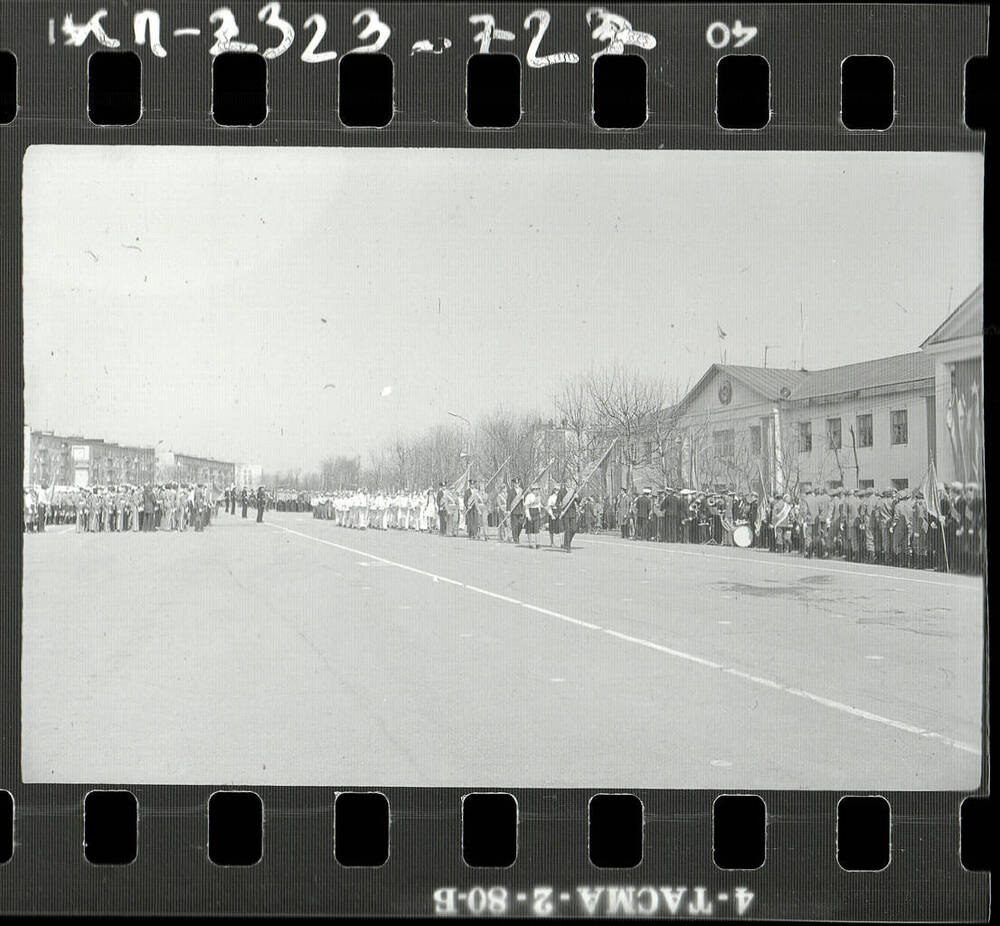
179 294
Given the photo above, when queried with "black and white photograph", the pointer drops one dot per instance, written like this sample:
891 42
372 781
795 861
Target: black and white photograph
561 469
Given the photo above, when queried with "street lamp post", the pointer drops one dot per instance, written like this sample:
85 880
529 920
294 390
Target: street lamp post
468 438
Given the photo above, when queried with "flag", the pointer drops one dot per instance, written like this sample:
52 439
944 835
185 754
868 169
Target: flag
929 488
764 499
976 421
459 485
963 435
953 434
568 500
932 501
538 478
497 473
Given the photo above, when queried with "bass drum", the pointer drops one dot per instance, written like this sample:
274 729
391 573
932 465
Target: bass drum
742 536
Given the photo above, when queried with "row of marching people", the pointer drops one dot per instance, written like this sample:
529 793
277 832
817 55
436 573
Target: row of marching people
123 508
508 509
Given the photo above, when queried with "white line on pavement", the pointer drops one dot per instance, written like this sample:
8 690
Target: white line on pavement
786 562
678 654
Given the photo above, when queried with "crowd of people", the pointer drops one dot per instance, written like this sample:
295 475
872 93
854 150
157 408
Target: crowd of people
171 506
895 527
508 508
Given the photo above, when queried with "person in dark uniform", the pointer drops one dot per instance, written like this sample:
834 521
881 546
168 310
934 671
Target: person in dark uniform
148 507
810 516
515 505
643 505
261 501
244 500
753 510
569 515
674 515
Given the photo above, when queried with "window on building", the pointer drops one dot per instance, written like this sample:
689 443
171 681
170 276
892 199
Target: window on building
650 447
833 441
866 483
865 434
755 438
805 437
835 484
724 443
898 426
900 483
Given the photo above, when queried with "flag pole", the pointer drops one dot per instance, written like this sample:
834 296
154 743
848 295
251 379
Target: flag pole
593 469
520 495
497 473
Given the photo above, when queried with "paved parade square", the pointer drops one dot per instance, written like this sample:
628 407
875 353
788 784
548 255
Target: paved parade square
297 652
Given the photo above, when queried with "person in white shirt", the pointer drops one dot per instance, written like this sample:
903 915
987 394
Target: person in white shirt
533 515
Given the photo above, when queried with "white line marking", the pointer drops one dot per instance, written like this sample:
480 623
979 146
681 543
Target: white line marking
664 649
679 654
188 31
785 561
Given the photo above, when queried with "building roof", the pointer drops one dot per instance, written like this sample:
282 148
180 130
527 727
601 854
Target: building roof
966 321
901 369
768 381
778 385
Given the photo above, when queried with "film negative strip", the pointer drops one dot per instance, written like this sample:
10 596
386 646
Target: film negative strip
582 410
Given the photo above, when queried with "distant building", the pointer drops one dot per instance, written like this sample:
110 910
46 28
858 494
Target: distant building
248 474
72 460
184 467
877 423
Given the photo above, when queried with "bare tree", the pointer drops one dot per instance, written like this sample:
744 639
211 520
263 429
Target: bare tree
626 406
502 435
578 420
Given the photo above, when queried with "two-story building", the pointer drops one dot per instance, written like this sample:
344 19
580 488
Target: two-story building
877 423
